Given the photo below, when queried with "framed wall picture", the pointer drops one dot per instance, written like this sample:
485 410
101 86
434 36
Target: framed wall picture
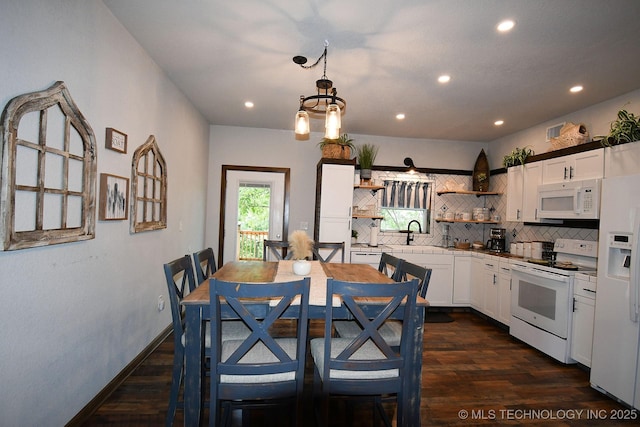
114 197
116 140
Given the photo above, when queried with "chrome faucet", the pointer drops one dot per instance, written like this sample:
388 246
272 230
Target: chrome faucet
409 236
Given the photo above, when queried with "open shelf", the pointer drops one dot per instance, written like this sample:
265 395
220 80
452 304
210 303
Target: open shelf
367 216
473 193
467 222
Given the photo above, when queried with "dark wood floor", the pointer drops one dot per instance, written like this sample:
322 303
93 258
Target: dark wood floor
474 373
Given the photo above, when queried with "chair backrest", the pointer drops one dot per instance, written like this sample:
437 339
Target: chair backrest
276 248
390 266
409 271
180 281
331 247
205 264
277 355
369 351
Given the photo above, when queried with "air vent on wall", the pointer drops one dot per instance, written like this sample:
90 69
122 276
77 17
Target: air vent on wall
554 131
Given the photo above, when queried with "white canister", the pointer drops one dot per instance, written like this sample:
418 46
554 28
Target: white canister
527 250
520 248
513 248
536 250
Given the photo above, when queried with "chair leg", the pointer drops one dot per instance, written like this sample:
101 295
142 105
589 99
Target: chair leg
176 381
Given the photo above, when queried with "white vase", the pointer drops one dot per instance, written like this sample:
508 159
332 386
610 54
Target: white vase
301 267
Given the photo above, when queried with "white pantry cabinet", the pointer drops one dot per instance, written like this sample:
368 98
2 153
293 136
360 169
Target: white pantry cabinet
334 198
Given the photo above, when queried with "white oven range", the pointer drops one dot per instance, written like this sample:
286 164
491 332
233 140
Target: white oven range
542 297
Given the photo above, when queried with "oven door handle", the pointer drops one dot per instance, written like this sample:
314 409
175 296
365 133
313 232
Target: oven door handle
535 272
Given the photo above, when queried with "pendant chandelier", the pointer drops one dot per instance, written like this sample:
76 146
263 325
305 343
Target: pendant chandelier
326 102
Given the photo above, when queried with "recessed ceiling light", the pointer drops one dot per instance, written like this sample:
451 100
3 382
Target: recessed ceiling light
444 78
498 122
506 25
576 89
248 104
400 116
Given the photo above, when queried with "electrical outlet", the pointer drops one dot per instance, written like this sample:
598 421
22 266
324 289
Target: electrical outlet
160 303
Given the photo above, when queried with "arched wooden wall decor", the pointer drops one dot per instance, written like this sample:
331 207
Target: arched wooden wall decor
148 188
48 171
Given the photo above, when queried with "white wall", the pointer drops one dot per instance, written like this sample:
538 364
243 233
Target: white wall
596 118
74 315
279 148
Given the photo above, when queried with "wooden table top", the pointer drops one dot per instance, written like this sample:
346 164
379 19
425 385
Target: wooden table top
260 271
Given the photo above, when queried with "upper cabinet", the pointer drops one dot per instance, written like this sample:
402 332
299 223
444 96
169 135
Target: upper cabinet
515 182
574 167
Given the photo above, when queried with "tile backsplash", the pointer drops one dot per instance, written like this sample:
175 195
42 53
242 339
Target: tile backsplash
516 231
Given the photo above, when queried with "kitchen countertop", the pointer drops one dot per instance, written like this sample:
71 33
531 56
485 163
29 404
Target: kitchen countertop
363 247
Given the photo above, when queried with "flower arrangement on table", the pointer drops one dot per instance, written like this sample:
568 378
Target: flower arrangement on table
301 246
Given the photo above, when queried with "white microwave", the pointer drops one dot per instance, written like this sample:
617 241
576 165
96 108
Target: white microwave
570 200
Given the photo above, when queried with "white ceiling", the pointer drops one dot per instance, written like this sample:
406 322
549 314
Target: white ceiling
385 57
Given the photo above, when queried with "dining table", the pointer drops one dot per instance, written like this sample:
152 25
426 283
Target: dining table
196 307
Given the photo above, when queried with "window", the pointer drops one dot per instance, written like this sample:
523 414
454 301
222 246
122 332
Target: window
49 172
148 188
405 198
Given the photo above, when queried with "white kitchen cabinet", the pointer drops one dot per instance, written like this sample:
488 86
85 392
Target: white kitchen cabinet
583 319
574 167
371 258
461 280
440 291
490 275
476 290
532 179
334 198
515 183
504 292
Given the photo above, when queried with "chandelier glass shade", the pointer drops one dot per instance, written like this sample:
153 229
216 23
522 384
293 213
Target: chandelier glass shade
325 102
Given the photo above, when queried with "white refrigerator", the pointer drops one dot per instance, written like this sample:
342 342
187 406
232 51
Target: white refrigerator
616 338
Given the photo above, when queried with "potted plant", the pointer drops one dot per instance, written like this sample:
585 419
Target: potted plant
354 237
517 157
625 129
366 157
300 245
339 148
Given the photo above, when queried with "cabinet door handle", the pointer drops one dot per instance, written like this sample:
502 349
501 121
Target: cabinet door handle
565 172
517 213
571 172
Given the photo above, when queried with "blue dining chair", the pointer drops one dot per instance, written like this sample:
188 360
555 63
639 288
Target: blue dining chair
326 251
366 365
276 249
205 264
180 282
390 266
261 369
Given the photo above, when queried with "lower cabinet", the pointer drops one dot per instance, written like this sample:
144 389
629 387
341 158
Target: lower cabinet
440 291
462 280
371 258
490 291
504 292
583 318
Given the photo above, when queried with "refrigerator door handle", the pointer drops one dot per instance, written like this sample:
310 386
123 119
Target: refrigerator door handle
634 292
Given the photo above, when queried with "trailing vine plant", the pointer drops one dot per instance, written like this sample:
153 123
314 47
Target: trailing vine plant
625 129
517 157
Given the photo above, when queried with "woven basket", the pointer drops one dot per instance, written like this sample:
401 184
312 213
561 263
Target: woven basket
571 134
336 151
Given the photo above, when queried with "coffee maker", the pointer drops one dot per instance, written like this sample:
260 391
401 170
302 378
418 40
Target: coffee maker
497 241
